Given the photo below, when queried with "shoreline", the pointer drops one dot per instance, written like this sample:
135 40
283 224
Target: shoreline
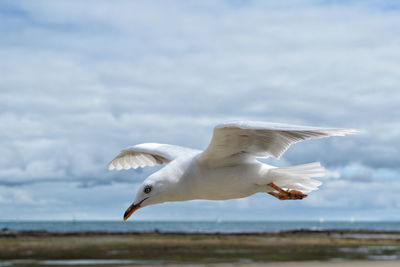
394 263
155 248
328 232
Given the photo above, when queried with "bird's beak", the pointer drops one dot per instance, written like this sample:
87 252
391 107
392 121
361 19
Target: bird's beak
132 208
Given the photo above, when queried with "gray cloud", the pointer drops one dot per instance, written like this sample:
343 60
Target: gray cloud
81 81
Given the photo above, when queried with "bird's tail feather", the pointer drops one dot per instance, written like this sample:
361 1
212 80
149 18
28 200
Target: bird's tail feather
299 177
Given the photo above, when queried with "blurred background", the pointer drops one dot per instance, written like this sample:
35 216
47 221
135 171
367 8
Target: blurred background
81 80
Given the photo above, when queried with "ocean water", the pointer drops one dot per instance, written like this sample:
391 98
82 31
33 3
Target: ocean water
192 226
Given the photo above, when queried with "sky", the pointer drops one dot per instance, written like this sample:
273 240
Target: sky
82 80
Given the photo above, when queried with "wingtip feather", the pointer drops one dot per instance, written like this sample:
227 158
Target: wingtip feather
111 166
343 132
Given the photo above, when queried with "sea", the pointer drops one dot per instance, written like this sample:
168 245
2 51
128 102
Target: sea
195 226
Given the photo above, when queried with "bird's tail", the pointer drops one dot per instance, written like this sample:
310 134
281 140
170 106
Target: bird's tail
299 177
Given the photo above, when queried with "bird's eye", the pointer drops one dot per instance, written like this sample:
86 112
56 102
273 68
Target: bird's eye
147 189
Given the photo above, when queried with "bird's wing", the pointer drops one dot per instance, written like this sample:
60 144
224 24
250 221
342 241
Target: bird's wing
237 141
148 154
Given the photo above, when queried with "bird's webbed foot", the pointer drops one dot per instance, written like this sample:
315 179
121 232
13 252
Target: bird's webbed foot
286 194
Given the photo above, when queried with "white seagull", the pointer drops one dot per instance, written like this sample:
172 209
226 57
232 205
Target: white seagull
228 168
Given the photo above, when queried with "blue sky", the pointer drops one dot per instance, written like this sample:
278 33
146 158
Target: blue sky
81 80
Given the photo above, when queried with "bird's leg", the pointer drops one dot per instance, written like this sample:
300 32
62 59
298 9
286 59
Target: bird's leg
285 194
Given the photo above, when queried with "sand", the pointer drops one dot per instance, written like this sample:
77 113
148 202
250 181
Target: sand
298 248
302 264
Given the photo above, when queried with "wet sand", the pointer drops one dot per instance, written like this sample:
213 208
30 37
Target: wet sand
302 264
297 248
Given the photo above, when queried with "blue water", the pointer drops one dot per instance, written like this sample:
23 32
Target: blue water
190 227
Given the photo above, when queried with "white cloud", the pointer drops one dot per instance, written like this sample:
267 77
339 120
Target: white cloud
80 81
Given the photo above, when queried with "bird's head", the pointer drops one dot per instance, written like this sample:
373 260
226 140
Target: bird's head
155 189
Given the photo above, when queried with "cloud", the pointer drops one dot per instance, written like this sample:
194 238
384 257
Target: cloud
81 81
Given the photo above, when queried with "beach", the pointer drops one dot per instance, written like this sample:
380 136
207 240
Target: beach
308 264
311 264
300 248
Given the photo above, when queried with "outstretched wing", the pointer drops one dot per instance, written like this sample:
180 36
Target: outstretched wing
148 154
237 141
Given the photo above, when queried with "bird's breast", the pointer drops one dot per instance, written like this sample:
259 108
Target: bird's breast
222 183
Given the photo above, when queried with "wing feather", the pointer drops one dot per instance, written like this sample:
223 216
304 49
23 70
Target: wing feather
148 154
237 141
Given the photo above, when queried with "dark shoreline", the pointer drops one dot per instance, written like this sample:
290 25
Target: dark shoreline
195 248
12 233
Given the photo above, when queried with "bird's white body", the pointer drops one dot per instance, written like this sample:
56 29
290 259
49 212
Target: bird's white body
228 168
195 181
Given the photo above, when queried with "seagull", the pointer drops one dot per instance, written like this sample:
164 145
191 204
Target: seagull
228 168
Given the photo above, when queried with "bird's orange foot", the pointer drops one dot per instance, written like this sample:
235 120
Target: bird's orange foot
286 194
